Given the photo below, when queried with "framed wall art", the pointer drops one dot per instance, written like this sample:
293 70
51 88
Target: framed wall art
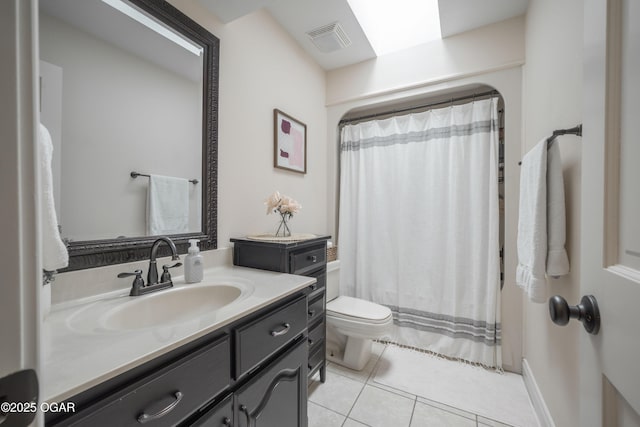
290 143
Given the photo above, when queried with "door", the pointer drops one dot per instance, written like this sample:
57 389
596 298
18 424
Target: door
610 270
19 264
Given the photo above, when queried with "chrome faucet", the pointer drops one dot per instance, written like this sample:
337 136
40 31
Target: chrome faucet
139 287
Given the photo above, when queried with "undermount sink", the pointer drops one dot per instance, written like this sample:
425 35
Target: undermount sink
169 306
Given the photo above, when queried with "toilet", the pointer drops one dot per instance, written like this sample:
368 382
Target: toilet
352 324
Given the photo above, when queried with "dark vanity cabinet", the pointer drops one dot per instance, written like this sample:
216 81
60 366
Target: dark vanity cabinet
252 373
307 258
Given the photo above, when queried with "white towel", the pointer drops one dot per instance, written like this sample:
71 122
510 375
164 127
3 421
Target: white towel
54 251
541 224
557 259
167 205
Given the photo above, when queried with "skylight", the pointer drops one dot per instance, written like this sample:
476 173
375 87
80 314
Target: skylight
398 24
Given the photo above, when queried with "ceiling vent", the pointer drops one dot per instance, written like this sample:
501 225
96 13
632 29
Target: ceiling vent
329 38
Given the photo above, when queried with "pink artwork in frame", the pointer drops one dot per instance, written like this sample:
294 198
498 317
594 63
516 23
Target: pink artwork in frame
290 143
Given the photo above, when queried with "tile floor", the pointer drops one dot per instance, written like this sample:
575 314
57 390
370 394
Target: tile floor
366 399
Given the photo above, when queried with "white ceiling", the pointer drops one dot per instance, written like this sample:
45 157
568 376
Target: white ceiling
300 16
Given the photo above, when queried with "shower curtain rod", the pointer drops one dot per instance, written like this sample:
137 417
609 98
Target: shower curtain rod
417 107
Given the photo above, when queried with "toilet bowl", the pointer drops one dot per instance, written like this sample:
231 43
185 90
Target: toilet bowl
352 325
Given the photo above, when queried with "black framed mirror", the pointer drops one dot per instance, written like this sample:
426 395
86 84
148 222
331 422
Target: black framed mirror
126 246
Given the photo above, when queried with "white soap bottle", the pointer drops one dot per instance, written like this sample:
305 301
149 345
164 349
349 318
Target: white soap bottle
193 263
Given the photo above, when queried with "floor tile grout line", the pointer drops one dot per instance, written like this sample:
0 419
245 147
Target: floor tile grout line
376 366
364 384
366 381
371 381
346 376
356 401
329 409
471 414
395 391
360 422
413 411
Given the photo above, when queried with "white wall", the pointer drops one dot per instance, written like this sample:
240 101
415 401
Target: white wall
553 100
479 51
120 113
262 68
489 56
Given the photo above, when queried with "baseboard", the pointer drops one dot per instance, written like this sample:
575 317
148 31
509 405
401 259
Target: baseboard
539 405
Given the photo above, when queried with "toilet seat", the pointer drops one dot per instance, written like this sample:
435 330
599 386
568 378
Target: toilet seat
355 309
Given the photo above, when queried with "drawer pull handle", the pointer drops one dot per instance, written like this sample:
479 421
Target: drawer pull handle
310 343
244 409
313 258
311 313
314 287
145 418
226 421
282 331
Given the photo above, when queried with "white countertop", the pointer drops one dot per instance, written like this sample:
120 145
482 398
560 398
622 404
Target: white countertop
79 353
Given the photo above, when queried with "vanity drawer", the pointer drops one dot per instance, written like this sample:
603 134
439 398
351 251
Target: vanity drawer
316 309
316 334
321 282
264 336
316 358
302 262
178 390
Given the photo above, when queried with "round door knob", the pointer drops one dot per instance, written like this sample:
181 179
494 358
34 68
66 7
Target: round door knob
587 312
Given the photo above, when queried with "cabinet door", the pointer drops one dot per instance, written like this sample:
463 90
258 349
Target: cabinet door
276 397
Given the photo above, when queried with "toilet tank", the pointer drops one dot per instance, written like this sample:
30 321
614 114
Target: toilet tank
333 279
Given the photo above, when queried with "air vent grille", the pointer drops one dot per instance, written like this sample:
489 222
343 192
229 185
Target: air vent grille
329 38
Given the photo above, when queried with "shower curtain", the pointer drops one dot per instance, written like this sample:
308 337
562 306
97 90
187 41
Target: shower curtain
418 226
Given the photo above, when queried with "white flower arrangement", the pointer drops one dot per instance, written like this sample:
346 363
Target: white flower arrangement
282 204
286 207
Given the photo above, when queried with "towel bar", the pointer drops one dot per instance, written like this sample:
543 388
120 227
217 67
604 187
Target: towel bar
137 174
576 130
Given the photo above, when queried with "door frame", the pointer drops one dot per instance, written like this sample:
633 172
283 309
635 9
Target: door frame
20 263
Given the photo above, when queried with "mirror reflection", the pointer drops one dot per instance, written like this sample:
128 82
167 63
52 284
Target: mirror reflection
121 93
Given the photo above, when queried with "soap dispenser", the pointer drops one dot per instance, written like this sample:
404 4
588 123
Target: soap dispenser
193 263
